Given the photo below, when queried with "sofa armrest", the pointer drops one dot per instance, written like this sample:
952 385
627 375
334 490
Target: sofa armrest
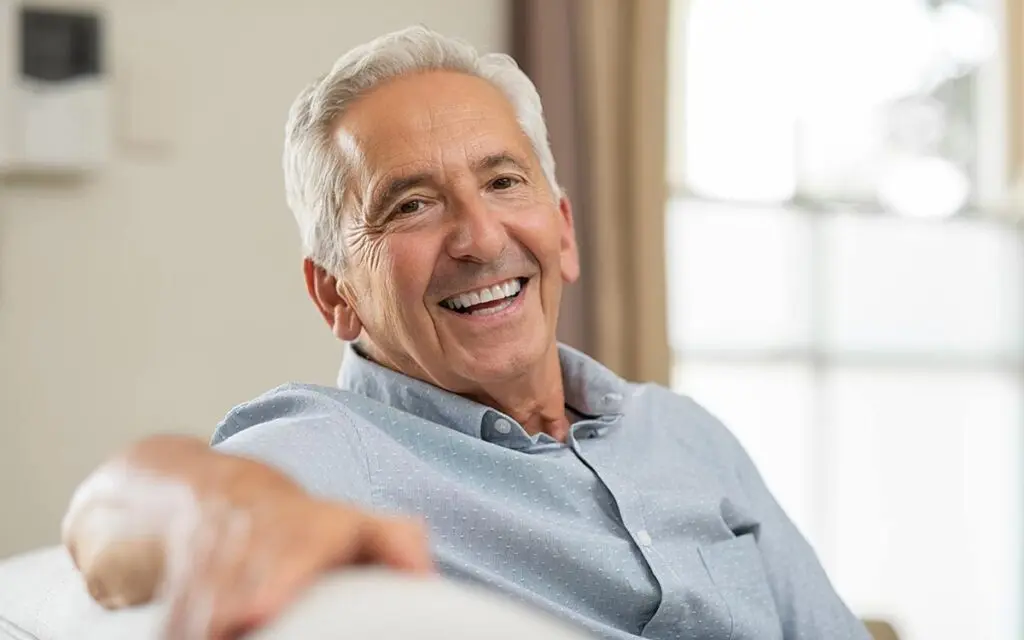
383 605
42 597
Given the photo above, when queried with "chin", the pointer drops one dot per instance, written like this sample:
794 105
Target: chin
501 362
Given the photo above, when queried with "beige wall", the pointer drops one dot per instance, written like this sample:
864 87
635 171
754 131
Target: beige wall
164 290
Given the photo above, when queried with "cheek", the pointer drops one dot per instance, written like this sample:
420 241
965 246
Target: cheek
370 266
405 272
540 232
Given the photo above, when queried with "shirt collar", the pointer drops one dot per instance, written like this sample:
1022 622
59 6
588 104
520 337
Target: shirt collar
590 388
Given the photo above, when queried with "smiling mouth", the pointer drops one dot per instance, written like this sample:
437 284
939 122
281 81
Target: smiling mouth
487 300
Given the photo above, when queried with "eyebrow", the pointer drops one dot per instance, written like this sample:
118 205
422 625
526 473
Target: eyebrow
397 186
494 160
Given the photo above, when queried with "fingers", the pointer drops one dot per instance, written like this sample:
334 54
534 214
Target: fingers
233 575
278 589
190 599
244 568
337 541
210 556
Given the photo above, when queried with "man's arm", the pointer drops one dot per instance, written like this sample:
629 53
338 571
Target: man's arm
169 514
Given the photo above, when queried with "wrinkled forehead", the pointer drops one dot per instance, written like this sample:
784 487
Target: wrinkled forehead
439 121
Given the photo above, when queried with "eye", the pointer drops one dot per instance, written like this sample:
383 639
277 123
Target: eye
504 182
409 206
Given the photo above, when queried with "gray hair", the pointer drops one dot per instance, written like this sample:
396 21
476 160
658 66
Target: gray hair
316 172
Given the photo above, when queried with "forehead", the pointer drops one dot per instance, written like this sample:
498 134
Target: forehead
427 118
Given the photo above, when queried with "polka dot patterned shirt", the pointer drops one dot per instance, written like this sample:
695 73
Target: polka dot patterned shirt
650 521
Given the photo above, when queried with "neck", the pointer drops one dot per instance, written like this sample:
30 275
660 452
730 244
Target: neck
535 399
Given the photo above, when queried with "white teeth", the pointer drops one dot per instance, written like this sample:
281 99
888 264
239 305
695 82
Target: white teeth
489 294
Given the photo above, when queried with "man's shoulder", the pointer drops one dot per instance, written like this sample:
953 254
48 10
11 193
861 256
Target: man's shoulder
684 419
308 432
293 404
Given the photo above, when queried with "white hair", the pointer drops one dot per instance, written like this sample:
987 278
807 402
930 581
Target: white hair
316 172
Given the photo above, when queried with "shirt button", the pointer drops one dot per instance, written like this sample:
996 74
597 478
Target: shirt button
643 538
612 399
503 426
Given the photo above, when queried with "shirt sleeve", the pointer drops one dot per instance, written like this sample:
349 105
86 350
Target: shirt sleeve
307 434
808 605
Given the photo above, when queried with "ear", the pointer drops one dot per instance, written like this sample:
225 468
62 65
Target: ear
334 306
570 255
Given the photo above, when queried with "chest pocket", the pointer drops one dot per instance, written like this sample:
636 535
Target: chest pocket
737 571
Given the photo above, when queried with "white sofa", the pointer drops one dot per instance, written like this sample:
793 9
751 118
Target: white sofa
42 597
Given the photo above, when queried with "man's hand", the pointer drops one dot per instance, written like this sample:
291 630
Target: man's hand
245 565
228 541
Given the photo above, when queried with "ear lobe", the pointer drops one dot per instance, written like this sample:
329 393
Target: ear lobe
331 301
347 326
570 260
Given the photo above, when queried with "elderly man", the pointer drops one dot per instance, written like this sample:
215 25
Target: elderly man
437 243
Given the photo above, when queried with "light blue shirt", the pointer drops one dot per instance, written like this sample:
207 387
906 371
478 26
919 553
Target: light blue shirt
650 520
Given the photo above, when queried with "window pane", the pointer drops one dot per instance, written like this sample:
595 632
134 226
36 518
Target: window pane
925 500
909 286
737 278
768 99
739 126
768 408
893 122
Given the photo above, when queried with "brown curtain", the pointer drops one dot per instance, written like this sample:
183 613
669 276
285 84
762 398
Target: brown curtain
545 44
601 69
1015 40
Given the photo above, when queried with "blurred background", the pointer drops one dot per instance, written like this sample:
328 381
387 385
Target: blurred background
806 214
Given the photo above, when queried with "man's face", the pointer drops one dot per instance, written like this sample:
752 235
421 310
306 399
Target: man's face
457 246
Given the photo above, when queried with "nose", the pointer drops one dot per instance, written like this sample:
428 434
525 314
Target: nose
477 233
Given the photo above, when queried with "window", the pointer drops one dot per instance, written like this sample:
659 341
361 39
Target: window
846 297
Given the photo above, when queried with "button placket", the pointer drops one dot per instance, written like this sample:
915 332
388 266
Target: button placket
631 515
